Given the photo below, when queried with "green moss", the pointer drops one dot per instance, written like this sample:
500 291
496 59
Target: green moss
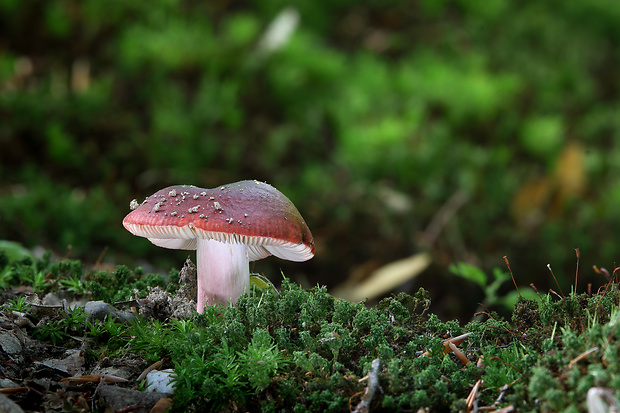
64 268
120 284
303 350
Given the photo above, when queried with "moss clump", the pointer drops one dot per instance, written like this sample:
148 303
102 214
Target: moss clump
308 350
120 284
304 350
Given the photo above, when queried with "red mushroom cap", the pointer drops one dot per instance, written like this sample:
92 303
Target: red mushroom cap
248 212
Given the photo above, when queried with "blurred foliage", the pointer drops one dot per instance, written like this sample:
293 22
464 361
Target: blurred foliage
491 284
373 113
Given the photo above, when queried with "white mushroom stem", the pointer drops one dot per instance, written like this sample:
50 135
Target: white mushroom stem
223 272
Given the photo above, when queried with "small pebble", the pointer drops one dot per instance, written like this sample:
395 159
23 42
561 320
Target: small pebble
160 381
98 310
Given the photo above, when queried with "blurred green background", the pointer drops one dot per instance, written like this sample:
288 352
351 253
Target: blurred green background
469 129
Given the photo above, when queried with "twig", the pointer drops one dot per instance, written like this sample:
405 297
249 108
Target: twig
443 216
458 353
373 382
473 394
582 356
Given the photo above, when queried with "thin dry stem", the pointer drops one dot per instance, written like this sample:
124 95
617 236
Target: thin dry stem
512 276
556 280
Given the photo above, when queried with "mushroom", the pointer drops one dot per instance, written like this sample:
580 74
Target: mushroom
228 226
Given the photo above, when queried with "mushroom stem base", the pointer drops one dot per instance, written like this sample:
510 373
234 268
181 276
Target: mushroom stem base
223 272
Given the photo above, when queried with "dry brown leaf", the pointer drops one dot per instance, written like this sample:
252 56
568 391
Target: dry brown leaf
163 405
544 198
385 278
